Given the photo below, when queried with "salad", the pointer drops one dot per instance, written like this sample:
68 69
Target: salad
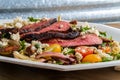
52 40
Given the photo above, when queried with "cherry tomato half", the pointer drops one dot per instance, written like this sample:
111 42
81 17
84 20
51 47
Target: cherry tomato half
84 50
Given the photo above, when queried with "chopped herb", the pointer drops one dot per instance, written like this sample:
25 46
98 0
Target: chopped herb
103 44
68 51
59 62
37 46
103 34
104 59
117 56
6 35
110 38
33 19
83 29
22 43
3 35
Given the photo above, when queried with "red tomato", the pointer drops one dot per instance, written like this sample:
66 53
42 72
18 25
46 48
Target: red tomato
84 50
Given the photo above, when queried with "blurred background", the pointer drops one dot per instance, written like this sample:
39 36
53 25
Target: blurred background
100 11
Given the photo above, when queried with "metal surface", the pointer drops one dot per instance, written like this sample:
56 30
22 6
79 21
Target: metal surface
100 11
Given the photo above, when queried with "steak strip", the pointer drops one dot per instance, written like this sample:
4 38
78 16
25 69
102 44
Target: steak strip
37 26
57 56
7 30
60 26
49 35
88 39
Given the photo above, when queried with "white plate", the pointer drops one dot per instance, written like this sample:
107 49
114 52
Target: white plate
114 32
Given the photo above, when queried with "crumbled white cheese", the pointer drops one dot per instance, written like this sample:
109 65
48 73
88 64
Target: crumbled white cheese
27 44
15 37
78 56
18 19
93 30
102 54
39 50
18 25
45 45
4 42
85 24
39 47
40 44
82 33
65 50
35 42
33 48
18 22
26 22
7 25
16 52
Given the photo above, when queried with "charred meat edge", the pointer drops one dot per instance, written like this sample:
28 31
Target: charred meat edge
37 26
54 27
49 35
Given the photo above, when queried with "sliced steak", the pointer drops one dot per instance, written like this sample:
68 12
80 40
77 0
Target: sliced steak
49 35
60 26
88 39
57 56
7 30
37 26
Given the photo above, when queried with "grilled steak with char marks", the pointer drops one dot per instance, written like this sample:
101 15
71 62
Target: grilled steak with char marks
60 26
88 39
37 26
50 34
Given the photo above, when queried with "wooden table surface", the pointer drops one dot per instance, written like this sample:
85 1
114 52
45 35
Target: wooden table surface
16 72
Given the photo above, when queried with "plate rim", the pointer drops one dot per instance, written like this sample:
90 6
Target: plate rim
62 67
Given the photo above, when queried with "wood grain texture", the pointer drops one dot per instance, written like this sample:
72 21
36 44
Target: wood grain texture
16 72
